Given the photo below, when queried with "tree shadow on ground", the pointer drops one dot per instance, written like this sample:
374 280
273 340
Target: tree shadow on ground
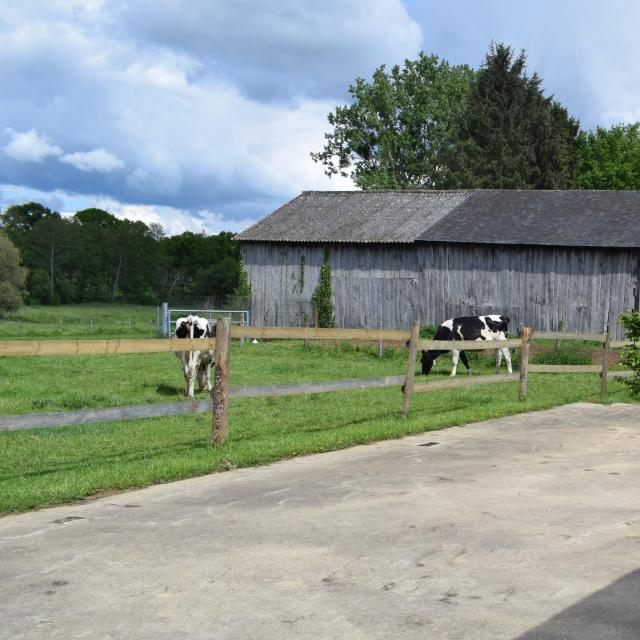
613 613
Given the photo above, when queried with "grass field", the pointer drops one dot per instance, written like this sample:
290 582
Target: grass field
49 466
80 321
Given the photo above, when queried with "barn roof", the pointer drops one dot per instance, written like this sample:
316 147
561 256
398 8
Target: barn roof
554 218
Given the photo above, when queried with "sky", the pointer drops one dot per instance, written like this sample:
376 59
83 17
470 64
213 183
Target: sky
201 115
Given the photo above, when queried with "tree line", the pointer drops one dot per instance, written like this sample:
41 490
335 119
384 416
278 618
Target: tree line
93 256
426 125
431 125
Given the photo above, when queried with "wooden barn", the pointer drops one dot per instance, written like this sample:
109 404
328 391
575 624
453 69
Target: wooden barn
540 257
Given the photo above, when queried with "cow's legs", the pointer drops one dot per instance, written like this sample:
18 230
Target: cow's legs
507 356
465 362
455 354
191 379
204 377
189 376
499 355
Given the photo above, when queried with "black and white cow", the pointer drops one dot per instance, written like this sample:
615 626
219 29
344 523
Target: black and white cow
491 327
195 364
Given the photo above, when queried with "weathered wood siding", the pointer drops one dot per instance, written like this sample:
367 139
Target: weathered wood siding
392 285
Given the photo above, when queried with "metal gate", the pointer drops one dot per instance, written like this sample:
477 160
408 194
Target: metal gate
169 316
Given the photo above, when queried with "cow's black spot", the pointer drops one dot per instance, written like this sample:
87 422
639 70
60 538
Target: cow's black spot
182 331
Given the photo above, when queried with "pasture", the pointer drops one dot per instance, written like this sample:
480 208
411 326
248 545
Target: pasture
49 466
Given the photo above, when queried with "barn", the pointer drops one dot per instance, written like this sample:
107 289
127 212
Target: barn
540 257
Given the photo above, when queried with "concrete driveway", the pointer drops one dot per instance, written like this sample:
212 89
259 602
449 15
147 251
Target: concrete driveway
525 527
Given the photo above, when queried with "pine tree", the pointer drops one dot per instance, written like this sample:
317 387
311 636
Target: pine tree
511 136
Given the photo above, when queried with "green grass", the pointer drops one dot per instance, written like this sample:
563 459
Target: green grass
80 321
50 466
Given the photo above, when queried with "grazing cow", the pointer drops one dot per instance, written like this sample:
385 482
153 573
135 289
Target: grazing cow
493 327
195 364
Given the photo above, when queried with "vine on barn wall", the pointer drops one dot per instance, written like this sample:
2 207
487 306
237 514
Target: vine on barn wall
302 261
321 297
242 295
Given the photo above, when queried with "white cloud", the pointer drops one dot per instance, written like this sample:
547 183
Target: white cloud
30 146
284 49
98 160
173 220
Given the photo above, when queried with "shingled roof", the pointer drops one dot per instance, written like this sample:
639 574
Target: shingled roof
507 217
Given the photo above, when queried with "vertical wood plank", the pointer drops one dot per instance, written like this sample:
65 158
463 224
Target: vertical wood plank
220 391
524 361
411 367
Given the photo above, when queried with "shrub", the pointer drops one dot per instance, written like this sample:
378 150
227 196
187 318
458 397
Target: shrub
631 354
321 298
12 276
427 332
563 355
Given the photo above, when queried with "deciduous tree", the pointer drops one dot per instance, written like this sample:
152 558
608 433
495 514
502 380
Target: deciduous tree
12 276
611 158
392 135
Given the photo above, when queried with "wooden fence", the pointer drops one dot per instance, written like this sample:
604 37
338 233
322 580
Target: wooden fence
221 392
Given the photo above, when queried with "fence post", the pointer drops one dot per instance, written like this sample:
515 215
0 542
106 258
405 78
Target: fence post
242 325
220 391
166 324
306 327
556 345
605 362
380 341
524 361
411 367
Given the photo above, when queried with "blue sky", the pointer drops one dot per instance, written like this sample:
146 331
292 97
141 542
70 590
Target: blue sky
201 115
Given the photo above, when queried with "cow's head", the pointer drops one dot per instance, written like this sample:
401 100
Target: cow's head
427 361
183 327
499 325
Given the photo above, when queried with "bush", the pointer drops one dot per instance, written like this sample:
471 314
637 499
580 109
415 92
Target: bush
563 355
12 276
427 332
631 354
321 298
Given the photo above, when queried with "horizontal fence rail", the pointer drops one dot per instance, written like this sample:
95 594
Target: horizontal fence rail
101 347
467 345
310 333
462 381
161 409
402 337
565 368
561 335
162 345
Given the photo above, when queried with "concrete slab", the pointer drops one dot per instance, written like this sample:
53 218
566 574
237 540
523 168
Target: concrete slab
525 527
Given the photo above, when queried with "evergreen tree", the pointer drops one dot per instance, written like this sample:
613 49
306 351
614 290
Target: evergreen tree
511 136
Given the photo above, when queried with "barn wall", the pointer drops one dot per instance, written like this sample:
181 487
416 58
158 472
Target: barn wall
395 284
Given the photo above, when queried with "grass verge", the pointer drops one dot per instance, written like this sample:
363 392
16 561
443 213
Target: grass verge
44 467
51 466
